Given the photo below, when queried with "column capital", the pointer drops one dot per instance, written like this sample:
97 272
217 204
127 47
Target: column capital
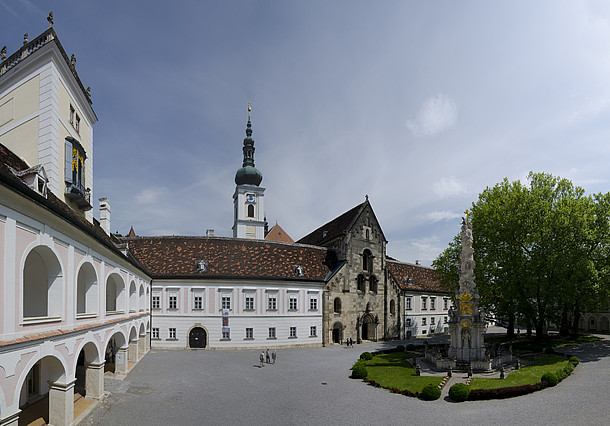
11 419
62 386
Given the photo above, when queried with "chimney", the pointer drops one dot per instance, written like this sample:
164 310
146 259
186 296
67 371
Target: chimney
417 262
209 233
105 214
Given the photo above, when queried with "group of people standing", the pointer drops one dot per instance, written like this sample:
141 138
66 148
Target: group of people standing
266 357
349 342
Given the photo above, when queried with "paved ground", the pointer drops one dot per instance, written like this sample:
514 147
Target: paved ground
312 386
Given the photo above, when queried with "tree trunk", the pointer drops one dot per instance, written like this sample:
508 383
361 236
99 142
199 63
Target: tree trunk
564 326
576 319
510 328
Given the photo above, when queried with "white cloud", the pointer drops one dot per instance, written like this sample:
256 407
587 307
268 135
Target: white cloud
439 216
150 195
437 114
449 187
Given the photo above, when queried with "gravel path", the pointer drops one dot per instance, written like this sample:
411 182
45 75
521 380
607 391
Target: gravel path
312 386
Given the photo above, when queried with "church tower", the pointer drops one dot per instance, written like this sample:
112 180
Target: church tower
249 211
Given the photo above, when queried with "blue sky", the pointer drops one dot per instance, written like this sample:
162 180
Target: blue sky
420 105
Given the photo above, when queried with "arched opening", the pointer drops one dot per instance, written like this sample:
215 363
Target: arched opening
368 327
111 355
197 338
361 285
250 210
373 284
337 333
337 305
141 300
604 324
34 402
86 290
42 284
133 301
392 307
89 373
114 294
592 324
367 261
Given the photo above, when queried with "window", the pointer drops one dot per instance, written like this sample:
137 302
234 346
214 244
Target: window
313 304
271 332
226 302
408 322
155 333
293 332
72 115
293 303
312 331
198 302
408 303
156 302
392 307
361 286
337 306
77 124
424 303
445 304
173 301
272 302
250 210
367 261
432 321
249 333
445 320
423 321
249 302
75 157
172 334
433 303
226 335
373 284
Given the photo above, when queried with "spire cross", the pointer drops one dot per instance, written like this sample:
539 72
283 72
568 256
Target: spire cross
249 109
467 213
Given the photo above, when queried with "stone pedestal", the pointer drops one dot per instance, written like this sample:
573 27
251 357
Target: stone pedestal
133 351
94 380
120 366
61 403
11 419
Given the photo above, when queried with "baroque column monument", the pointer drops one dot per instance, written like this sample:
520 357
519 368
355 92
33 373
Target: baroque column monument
466 320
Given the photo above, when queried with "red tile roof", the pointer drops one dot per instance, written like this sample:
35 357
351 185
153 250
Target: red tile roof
423 278
278 234
229 258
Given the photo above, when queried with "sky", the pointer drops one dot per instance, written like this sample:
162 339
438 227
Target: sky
419 105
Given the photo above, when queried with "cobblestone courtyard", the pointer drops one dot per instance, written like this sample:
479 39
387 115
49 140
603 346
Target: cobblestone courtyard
312 386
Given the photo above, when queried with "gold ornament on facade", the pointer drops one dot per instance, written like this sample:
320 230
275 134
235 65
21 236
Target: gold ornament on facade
466 324
466 309
465 297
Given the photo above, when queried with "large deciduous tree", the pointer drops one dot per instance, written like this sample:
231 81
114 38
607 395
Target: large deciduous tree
541 251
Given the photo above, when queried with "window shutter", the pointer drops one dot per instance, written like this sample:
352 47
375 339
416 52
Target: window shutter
68 165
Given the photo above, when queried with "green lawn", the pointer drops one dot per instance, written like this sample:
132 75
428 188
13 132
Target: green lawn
393 371
525 376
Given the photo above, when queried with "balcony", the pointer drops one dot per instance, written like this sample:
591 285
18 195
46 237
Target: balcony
80 196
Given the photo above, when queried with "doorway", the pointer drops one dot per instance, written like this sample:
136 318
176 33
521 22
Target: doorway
197 338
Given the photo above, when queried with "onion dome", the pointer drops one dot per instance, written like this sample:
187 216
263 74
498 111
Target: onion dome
248 174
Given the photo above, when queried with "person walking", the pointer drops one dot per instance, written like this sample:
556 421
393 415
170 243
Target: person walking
274 356
262 360
267 357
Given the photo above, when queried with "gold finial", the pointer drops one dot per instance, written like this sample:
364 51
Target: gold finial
467 213
249 109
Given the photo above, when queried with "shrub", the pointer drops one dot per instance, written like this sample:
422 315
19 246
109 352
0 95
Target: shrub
459 392
410 347
367 356
549 378
400 348
359 371
430 393
549 350
507 392
574 361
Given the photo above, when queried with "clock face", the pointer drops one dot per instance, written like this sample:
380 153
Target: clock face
250 198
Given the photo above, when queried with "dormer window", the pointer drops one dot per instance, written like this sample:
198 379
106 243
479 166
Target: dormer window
298 271
202 266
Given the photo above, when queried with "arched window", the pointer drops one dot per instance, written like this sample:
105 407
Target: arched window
361 286
250 210
337 306
367 261
133 298
373 284
42 284
115 291
392 307
86 292
141 300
